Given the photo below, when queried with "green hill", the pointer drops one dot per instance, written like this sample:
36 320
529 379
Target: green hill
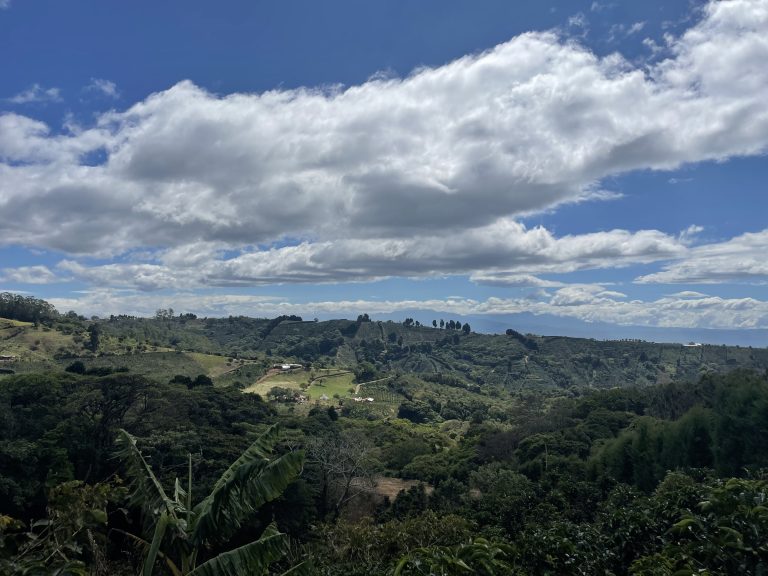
239 350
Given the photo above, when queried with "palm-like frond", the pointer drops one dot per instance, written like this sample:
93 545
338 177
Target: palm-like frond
144 545
303 569
251 481
253 558
154 547
147 490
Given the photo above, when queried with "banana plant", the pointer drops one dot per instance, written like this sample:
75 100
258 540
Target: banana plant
180 530
479 558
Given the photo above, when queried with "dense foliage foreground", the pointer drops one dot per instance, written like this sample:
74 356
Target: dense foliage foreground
185 446
659 480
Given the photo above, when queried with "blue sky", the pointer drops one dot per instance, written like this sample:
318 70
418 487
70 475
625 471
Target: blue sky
588 161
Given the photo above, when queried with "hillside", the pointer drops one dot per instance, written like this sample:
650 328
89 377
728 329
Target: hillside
239 350
408 439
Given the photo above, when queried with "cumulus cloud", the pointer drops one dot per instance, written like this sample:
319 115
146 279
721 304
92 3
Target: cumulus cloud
29 275
35 93
591 303
512 280
741 259
494 250
688 294
104 87
397 176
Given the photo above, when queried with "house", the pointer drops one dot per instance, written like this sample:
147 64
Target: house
286 367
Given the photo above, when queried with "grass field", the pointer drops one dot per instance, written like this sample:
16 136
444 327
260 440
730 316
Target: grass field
340 384
291 380
4 322
160 366
214 366
32 344
333 383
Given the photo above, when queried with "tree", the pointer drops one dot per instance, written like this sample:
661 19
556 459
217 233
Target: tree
164 314
434 323
255 478
346 465
364 372
71 541
93 334
77 367
26 308
726 535
416 411
466 329
201 380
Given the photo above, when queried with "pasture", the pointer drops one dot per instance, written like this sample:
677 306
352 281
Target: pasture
326 381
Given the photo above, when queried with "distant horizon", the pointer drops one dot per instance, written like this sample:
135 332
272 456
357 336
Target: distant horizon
542 326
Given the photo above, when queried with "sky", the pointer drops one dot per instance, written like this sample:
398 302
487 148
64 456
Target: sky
593 162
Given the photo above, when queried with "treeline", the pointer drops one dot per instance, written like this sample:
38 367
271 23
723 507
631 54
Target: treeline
26 308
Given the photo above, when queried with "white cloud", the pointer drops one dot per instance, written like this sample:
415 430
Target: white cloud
512 280
679 180
688 235
619 31
104 87
578 20
30 275
600 6
5 4
413 176
688 294
591 303
494 250
740 259
35 93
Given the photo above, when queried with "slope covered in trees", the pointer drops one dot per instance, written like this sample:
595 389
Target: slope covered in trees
508 454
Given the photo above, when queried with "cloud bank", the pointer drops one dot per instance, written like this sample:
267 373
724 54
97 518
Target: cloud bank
587 302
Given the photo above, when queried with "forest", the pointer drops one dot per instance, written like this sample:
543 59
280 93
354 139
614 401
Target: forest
159 446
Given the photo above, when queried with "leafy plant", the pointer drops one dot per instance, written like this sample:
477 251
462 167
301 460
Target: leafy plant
181 531
479 557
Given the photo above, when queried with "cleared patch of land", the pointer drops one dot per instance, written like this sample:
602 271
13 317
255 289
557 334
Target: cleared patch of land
316 383
339 384
214 366
5 322
391 487
32 344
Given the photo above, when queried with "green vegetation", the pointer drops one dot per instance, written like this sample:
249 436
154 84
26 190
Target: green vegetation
334 385
511 454
254 479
